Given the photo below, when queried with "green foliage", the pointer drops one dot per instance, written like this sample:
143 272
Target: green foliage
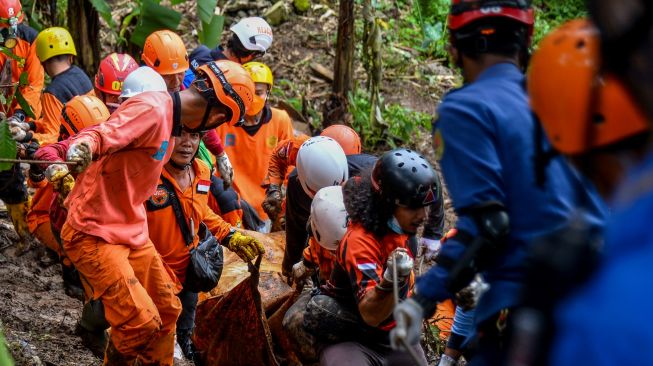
551 13
402 124
7 146
153 17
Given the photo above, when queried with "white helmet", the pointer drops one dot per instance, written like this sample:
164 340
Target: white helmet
141 80
321 163
328 217
254 33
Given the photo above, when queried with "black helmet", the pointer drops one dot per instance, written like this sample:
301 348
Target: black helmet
403 177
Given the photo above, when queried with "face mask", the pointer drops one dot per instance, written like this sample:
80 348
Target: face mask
393 224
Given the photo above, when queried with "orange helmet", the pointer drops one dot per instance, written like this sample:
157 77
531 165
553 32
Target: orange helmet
164 51
345 136
113 71
11 11
579 107
83 111
225 83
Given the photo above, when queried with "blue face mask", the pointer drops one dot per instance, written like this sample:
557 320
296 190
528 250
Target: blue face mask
393 224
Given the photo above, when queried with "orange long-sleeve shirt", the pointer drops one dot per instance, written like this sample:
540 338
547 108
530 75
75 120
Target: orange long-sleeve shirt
26 49
283 157
130 150
319 257
250 154
162 223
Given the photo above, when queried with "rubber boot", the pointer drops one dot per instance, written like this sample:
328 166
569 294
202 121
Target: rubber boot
18 214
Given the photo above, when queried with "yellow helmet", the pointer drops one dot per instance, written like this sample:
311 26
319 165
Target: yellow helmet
259 72
54 41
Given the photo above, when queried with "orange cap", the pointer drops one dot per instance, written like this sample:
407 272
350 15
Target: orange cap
579 108
346 137
164 51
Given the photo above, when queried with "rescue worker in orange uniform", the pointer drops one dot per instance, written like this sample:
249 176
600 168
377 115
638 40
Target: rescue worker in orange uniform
189 179
250 145
386 206
18 39
165 52
80 112
109 78
55 49
106 234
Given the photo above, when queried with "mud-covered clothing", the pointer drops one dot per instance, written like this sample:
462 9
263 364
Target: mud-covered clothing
298 208
12 186
487 132
249 149
200 56
162 222
137 289
64 87
130 150
360 262
317 257
26 49
365 354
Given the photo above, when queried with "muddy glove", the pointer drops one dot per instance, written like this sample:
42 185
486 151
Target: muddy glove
61 180
301 272
80 151
404 265
408 315
246 247
431 248
272 202
225 169
468 297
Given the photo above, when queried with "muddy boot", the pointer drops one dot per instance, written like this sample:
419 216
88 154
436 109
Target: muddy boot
71 282
114 358
95 340
18 214
48 257
188 348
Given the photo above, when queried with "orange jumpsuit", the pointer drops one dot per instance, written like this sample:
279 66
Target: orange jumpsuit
26 49
106 235
250 153
162 223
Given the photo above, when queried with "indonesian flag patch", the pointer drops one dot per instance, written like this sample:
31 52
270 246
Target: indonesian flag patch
203 186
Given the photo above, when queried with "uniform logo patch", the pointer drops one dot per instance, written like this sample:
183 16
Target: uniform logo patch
160 197
230 140
159 154
271 142
203 186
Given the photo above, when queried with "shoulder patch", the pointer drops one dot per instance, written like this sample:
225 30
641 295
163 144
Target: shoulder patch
271 142
230 140
438 144
161 152
159 199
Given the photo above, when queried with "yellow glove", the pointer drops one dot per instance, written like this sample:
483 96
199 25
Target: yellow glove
61 180
246 247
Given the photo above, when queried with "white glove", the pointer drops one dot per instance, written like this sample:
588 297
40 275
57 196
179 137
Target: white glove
404 265
468 297
17 130
300 272
80 151
225 169
431 248
55 172
408 315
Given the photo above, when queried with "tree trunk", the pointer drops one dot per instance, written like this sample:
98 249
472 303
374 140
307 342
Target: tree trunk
343 82
335 109
84 26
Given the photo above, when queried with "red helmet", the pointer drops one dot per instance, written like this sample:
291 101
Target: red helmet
464 12
113 71
10 9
